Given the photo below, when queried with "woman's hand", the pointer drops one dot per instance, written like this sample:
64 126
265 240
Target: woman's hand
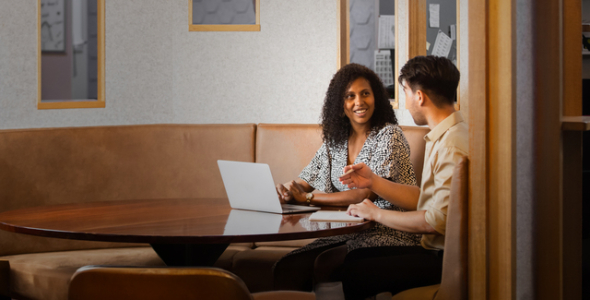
298 192
366 210
284 194
357 176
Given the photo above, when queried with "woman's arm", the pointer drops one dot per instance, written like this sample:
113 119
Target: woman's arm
296 191
333 199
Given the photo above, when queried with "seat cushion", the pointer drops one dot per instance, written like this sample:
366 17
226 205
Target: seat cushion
421 293
284 295
254 267
289 243
226 260
47 275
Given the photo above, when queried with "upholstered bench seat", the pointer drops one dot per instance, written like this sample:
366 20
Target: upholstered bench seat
47 275
85 164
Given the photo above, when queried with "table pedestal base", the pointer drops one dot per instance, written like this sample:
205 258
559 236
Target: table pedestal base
189 255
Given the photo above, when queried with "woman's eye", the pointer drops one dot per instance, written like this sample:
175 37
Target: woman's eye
366 94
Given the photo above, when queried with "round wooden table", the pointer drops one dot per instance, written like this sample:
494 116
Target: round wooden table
184 232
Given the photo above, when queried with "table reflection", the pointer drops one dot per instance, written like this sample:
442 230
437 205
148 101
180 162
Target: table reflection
245 222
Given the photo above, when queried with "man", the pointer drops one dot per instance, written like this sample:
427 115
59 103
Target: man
430 85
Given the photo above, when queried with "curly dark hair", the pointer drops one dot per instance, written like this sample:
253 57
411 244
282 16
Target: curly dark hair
335 124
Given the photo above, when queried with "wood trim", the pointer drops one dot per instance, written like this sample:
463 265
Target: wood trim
572 58
222 27
478 144
547 54
39 60
396 63
572 120
579 123
71 104
416 29
458 43
100 27
257 11
572 213
502 149
100 101
343 33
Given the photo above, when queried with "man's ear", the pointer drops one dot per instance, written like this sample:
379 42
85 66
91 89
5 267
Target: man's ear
421 97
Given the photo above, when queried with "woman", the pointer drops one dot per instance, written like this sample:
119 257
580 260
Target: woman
358 125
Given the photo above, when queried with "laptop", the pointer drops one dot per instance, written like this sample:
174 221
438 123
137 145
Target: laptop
250 186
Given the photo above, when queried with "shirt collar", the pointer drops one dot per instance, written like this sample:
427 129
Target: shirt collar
443 126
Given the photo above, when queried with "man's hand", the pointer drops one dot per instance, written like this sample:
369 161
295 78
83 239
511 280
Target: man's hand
366 210
357 176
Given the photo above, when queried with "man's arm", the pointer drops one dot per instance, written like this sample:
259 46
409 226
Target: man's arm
401 195
410 221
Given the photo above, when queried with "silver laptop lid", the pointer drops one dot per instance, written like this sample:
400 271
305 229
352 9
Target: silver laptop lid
249 186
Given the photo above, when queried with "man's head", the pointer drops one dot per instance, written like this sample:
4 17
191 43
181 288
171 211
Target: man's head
429 77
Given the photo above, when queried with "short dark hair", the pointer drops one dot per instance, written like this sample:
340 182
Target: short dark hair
335 124
436 76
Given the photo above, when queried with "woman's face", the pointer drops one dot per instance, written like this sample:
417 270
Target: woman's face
359 102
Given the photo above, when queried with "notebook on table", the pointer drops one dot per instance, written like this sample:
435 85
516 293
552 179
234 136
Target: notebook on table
250 186
334 216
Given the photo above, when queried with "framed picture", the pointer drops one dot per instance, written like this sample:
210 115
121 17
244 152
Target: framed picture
53 29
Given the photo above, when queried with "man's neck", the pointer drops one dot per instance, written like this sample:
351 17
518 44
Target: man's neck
438 115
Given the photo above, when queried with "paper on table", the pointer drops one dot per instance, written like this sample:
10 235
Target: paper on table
442 45
434 15
386 38
333 216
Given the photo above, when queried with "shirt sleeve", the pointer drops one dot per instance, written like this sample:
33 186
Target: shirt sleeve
391 159
317 172
443 167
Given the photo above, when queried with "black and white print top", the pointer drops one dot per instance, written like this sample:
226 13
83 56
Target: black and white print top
387 153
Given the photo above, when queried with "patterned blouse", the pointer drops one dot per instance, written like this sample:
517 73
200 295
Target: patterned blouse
387 153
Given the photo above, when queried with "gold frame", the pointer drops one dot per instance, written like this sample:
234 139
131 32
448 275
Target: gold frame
98 103
222 27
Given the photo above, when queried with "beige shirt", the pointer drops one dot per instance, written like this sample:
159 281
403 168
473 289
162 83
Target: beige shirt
445 144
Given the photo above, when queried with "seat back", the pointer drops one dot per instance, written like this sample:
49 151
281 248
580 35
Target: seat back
415 137
128 283
454 274
41 167
287 148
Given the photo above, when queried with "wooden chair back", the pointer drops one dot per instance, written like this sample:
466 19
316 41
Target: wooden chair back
128 283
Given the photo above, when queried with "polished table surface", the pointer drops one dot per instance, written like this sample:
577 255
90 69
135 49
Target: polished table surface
168 222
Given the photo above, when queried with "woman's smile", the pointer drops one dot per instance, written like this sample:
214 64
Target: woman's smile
359 102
